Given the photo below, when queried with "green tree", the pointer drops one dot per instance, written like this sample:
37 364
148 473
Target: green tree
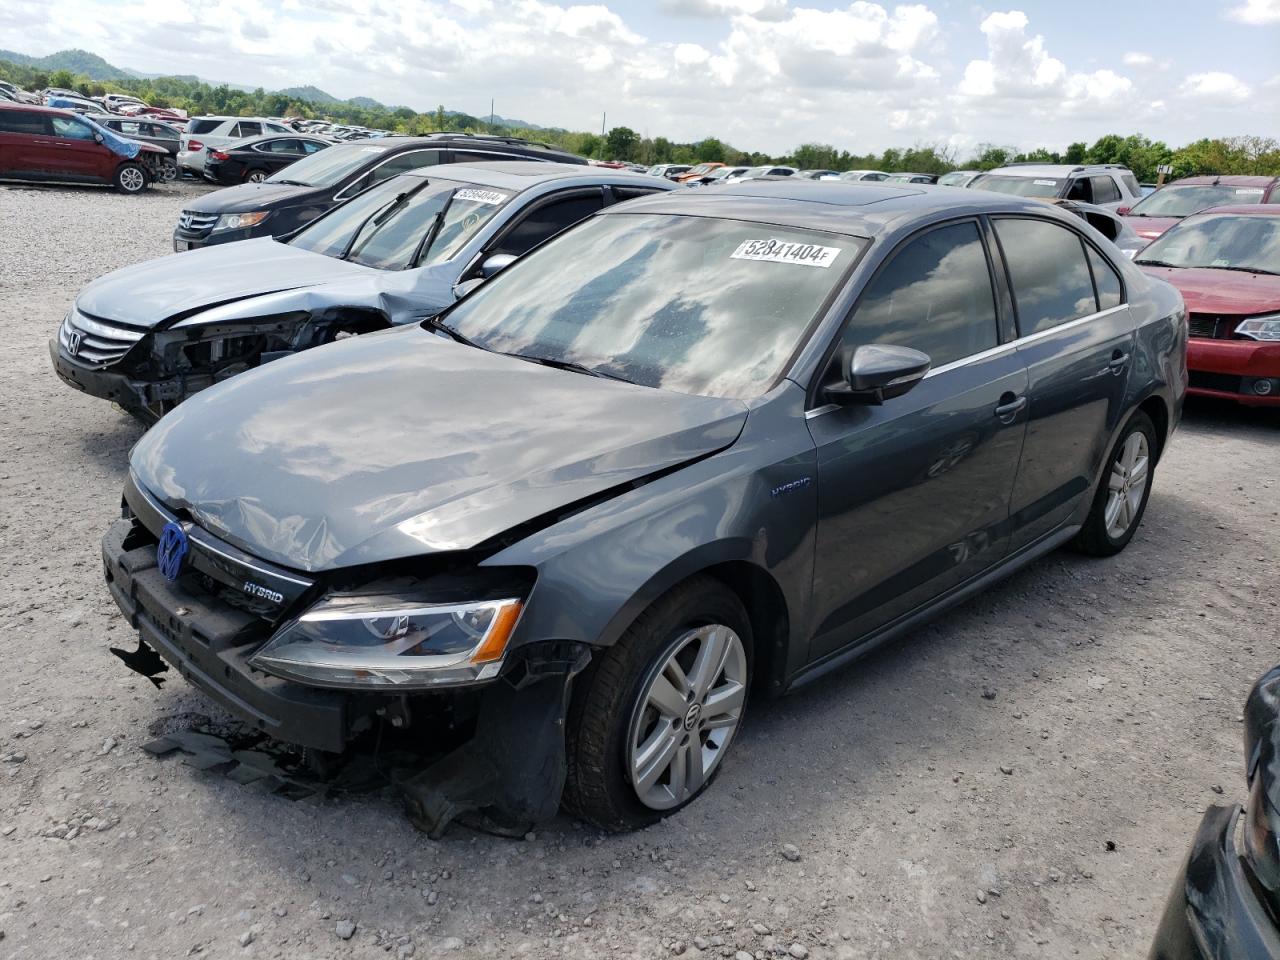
61 78
441 120
621 143
1075 153
814 156
709 150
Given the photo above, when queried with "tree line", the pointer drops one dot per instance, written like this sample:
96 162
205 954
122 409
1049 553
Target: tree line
1230 155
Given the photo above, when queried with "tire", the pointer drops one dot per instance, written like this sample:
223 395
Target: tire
1102 535
169 170
611 714
256 176
131 178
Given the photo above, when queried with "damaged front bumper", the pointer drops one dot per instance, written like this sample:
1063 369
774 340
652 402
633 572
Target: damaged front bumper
1214 911
498 760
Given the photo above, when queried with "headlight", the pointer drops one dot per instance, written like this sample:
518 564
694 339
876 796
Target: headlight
238 221
383 642
1261 328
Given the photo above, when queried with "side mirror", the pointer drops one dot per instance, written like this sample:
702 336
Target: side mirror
495 264
878 372
1123 211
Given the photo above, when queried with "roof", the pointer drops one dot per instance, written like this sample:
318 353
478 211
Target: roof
518 175
1244 209
1230 180
1053 169
837 206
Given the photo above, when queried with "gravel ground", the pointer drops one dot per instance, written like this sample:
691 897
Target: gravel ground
1020 779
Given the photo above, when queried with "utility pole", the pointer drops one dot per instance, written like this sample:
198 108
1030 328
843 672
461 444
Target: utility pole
602 116
491 111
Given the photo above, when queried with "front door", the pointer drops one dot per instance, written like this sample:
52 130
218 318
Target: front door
1076 337
913 495
75 150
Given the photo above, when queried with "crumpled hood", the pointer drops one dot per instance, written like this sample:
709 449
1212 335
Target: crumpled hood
1206 290
404 443
246 197
150 292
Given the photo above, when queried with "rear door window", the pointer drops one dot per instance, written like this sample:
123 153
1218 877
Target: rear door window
203 126
247 128
935 295
1104 190
403 163
1047 271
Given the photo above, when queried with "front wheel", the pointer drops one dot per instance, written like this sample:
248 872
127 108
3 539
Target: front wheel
130 178
1122 496
654 715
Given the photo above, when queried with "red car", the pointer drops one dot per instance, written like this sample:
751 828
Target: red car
45 144
1153 215
1226 263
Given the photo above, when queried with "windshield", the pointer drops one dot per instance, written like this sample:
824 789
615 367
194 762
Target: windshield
1176 201
404 222
701 168
1019 186
691 304
953 180
327 167
1224 242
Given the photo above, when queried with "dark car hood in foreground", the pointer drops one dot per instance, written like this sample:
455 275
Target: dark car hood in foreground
405 443
1207 290
250 196
150 292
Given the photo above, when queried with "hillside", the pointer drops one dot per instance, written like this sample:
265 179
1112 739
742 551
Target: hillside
77 61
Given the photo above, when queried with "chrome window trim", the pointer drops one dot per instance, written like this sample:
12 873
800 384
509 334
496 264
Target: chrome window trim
343 195
1008 347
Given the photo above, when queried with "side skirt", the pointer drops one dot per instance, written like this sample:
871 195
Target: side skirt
891 631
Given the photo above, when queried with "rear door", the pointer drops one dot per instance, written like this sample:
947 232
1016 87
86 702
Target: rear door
1076 338
913 495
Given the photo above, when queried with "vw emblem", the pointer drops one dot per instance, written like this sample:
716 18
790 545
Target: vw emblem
74 337
171 550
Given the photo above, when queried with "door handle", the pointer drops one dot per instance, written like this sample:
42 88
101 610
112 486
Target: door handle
1010 406
1118 361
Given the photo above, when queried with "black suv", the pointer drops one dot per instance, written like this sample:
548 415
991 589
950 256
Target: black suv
301 192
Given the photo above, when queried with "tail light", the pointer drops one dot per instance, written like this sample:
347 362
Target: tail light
219 155
195 145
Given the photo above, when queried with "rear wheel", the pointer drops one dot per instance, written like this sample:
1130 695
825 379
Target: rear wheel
256 176
1122 496
168 170
654 715
130 178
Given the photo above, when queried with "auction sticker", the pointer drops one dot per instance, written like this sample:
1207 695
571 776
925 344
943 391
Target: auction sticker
783 251
480 196
1046 183
373 149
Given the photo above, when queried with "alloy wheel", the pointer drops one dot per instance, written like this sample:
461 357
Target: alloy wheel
257 176
132 180
1127 484
688 711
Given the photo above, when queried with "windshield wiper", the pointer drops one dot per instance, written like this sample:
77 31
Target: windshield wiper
429 237
571 365
1158 263
379 215
294 183
435 323
1269 273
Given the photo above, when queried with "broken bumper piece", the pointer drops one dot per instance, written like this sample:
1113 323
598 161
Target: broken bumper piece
508 774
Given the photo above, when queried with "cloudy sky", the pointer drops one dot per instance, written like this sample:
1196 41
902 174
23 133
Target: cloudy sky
763 74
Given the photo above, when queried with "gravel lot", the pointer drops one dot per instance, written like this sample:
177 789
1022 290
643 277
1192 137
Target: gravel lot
1115 689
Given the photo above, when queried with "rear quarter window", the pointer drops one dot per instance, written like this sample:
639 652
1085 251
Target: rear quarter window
22 121
203 126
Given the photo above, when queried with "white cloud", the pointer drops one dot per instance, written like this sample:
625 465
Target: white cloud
1256 12
761 9
1016 65
1216 88
1138 59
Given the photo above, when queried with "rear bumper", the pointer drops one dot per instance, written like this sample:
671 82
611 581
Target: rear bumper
1230 369
211 646
1213 912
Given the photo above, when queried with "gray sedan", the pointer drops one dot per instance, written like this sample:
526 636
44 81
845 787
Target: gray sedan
150 335
702 447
